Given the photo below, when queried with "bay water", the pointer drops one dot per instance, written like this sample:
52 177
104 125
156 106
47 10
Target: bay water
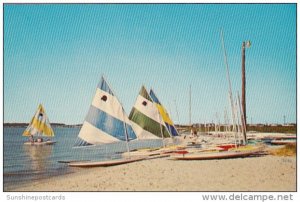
27 163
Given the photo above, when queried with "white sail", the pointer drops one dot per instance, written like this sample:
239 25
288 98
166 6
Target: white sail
146 120
106 121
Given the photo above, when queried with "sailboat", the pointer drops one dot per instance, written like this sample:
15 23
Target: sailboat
164 114
146 119
38 128
151 121
243 151
106 122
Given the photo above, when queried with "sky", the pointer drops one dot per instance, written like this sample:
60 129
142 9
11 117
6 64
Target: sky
56 54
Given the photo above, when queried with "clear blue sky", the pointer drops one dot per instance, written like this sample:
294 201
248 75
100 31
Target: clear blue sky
56 54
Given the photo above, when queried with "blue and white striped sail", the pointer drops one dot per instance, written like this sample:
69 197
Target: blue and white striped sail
106 121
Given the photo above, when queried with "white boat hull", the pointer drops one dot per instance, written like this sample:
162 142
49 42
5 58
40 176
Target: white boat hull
40 143
105 163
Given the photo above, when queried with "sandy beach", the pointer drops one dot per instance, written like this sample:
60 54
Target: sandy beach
265 173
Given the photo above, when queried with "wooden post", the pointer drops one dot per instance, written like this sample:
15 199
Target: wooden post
244 88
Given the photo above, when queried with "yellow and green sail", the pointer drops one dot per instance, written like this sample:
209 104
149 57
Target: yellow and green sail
164 114
39 124
146 119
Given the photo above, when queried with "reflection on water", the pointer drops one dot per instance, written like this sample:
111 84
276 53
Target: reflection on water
39 155
23 163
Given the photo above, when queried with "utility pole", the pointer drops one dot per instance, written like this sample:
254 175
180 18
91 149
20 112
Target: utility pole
245 45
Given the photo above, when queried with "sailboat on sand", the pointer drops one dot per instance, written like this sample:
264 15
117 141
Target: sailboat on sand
243 151
39 128
106 122
164 115
151 121
145 118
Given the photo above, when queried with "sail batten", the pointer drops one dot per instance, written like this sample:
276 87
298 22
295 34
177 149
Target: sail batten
106 121
40 124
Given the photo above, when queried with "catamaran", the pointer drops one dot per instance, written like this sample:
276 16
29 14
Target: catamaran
38 128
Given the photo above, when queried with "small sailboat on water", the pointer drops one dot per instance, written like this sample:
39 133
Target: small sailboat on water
39 128
105 123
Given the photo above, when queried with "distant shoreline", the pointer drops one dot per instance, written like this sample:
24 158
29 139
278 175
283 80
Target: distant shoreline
52 124
278 128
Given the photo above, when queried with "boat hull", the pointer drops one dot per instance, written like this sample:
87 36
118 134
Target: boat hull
40 143
283 142
105 163
226 147
216 155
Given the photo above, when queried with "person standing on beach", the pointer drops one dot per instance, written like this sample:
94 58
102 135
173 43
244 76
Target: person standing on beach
31 139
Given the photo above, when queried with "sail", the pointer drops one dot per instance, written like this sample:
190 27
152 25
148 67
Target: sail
39 124
164 114
146 121
106 121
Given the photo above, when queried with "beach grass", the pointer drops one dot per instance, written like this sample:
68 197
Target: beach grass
287 150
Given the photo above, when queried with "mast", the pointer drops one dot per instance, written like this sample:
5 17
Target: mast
239 129
160 121
126 133
161 130
229 83
177 112
190 106
124 124
226 120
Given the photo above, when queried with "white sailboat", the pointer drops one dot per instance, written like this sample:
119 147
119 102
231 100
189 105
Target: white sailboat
151 121
146 118
39 128
106 122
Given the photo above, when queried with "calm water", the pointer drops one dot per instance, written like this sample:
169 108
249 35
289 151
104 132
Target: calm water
23 163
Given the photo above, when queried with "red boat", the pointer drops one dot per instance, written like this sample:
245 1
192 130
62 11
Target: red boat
225 147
